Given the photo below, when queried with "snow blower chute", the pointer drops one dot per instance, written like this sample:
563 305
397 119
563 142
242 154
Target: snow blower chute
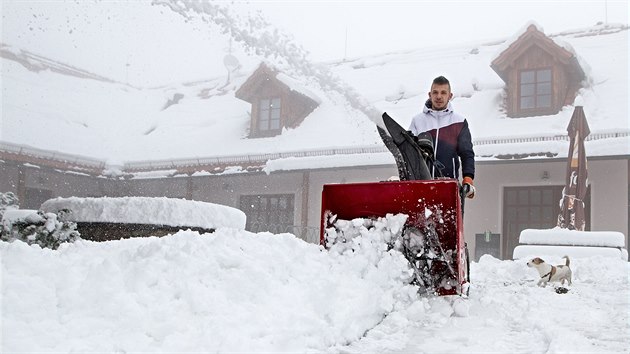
432 239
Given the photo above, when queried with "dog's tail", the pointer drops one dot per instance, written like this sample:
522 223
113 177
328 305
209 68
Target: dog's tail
568 261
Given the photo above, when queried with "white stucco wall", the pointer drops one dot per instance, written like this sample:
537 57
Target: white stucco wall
609 193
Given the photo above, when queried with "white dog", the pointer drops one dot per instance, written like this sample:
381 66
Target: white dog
549 273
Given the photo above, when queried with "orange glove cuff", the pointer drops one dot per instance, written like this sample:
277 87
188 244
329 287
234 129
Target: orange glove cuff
468 180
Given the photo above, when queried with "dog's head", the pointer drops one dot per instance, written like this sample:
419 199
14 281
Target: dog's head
535 262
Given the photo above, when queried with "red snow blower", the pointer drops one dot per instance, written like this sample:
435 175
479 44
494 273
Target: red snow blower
432 239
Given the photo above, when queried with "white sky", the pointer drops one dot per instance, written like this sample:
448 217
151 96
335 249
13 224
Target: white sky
375 27
124 39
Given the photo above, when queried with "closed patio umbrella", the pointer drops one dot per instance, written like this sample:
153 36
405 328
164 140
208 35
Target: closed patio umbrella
572 214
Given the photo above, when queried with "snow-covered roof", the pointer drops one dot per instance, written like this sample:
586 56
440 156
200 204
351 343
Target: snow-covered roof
120 123
533 34
399 82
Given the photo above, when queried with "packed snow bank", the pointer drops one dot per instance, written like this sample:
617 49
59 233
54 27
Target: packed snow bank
531 251
228 291
560 242
559 236
145 210
234 291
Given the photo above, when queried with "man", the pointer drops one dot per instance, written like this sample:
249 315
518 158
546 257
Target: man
451 137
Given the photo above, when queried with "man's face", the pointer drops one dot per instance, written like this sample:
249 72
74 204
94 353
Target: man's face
440 95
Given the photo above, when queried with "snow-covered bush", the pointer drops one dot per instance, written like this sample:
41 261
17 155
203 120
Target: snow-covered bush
48 230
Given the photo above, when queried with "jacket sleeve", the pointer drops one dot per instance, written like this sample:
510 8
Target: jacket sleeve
466 152
412 126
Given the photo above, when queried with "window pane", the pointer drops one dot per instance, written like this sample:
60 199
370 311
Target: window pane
522 213
547 195
528 90
527 77
547 214
263 124
275 114
528 102
263 114
274 125
523 197
535 197
535 213
543 88
543 75
544 101
511 197
275 214
269 114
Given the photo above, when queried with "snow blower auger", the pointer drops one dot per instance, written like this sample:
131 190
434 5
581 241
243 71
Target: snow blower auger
432 239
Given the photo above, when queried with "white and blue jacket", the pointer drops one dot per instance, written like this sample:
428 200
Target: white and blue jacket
452 142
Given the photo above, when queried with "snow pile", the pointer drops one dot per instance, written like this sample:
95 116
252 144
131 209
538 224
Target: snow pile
560 242
226 291
530 251
13 215
559 236
234 291
145 210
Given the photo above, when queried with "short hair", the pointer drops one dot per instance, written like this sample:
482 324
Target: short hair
441 80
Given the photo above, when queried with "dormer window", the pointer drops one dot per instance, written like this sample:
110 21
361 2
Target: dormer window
535 89
540 75
278 102
269 115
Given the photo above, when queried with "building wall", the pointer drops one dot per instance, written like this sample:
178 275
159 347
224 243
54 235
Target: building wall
18 177
609 193
9 176
608 180
225 189
485 211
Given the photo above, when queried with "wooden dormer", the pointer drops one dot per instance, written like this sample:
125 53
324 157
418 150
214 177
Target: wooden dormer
277 103
541 76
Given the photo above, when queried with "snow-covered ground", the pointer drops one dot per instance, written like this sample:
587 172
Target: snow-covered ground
235 291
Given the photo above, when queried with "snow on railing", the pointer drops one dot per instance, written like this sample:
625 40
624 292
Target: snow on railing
25 150
507 140
234 160
252 159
